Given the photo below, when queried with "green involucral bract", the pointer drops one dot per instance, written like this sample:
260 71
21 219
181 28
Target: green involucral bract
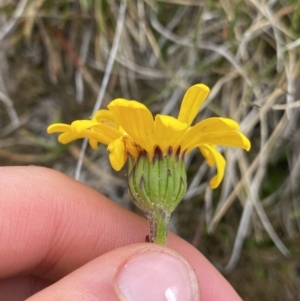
157 186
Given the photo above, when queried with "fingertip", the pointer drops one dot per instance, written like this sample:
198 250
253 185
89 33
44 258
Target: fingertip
157 273
132 273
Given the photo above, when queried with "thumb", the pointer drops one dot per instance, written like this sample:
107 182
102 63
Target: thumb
132 273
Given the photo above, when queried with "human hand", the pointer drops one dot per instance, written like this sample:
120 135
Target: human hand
61 240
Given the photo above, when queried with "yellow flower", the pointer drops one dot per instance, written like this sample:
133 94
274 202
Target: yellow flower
128 127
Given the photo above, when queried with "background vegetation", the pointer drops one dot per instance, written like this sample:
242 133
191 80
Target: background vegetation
61 60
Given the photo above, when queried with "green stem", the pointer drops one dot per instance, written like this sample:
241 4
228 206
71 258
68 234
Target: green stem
158 221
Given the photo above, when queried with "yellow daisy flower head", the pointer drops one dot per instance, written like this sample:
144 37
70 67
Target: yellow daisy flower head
155 148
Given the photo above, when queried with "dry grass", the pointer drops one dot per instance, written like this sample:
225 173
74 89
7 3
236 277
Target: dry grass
62 60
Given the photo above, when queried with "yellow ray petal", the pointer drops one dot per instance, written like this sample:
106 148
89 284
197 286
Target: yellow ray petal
206 153
232 138
192 101
219 162
136 120
106 134
215 124
58 127
65 138
93 143
131 146
79 126
168 131
101 133
106 117
117 154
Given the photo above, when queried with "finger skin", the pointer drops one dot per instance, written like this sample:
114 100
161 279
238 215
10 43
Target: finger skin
21 287
95 280
50 225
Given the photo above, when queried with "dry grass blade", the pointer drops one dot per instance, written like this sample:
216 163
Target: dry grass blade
87 35
31 13
9 25
254 165
96 170
53 59
76 60
239 239
107 73
10 109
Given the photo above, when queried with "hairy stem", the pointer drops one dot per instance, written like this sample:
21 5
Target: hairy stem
158 222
